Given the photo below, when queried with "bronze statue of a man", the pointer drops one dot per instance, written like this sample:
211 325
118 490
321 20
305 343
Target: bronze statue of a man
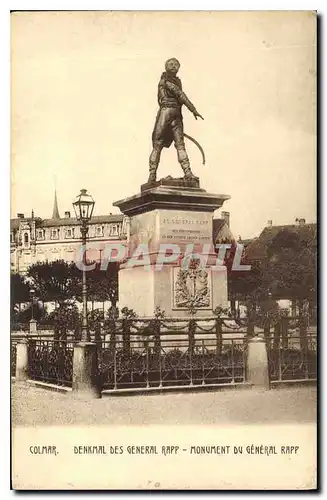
169 122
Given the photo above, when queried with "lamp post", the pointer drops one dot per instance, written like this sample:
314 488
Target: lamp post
83 207
32 294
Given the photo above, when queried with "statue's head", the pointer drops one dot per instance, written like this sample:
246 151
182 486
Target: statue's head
172 65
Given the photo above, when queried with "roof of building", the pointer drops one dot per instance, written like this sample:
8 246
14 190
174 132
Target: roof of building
56 221
72 221
14 223
257 248
68 221
217 226
246 241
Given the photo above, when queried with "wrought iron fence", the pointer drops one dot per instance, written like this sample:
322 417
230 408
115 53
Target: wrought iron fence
292 350
164 353
50 361
171 353
296 361
13 356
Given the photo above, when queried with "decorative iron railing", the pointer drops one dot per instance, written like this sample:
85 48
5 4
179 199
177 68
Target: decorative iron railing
292 350
13 356
295 362
162 353
50 361
147 353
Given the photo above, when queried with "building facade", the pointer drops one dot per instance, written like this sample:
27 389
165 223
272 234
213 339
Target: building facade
36 240
33 239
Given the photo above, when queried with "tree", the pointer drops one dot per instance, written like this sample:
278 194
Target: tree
103 284
25 315
65 318
19 291
291 268
56 281
244 285
287 272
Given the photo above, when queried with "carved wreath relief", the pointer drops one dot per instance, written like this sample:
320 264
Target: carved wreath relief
192 288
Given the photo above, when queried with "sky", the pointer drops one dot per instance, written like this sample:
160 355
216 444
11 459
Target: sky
84 102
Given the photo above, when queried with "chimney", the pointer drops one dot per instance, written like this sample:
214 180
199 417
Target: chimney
67 215
269 223
20 216
226 217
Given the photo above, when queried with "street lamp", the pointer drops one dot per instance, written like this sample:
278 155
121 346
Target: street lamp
83 206
32 294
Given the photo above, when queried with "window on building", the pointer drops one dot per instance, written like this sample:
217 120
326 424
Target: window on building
26 240
70 233
12 239
113 230
40 234
99 231
54 234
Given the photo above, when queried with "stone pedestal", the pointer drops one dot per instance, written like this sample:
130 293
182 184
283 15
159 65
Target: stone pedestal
169 220
85 367
21 361
257 363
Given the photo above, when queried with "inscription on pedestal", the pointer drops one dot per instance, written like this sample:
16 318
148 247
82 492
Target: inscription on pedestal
190 228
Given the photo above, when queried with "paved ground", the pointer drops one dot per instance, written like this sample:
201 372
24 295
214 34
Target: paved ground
33 406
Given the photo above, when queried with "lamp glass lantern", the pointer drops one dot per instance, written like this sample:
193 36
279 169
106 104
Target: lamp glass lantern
83 206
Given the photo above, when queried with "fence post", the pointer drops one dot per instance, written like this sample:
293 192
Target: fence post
22 360
85 371
126 337
303 335
219 336
251 323
156 334
284 328
191 335
111 329
304 344
257 363
277 336
267 330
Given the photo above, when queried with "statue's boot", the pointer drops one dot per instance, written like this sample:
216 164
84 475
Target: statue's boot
154 162
152 174
185 164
